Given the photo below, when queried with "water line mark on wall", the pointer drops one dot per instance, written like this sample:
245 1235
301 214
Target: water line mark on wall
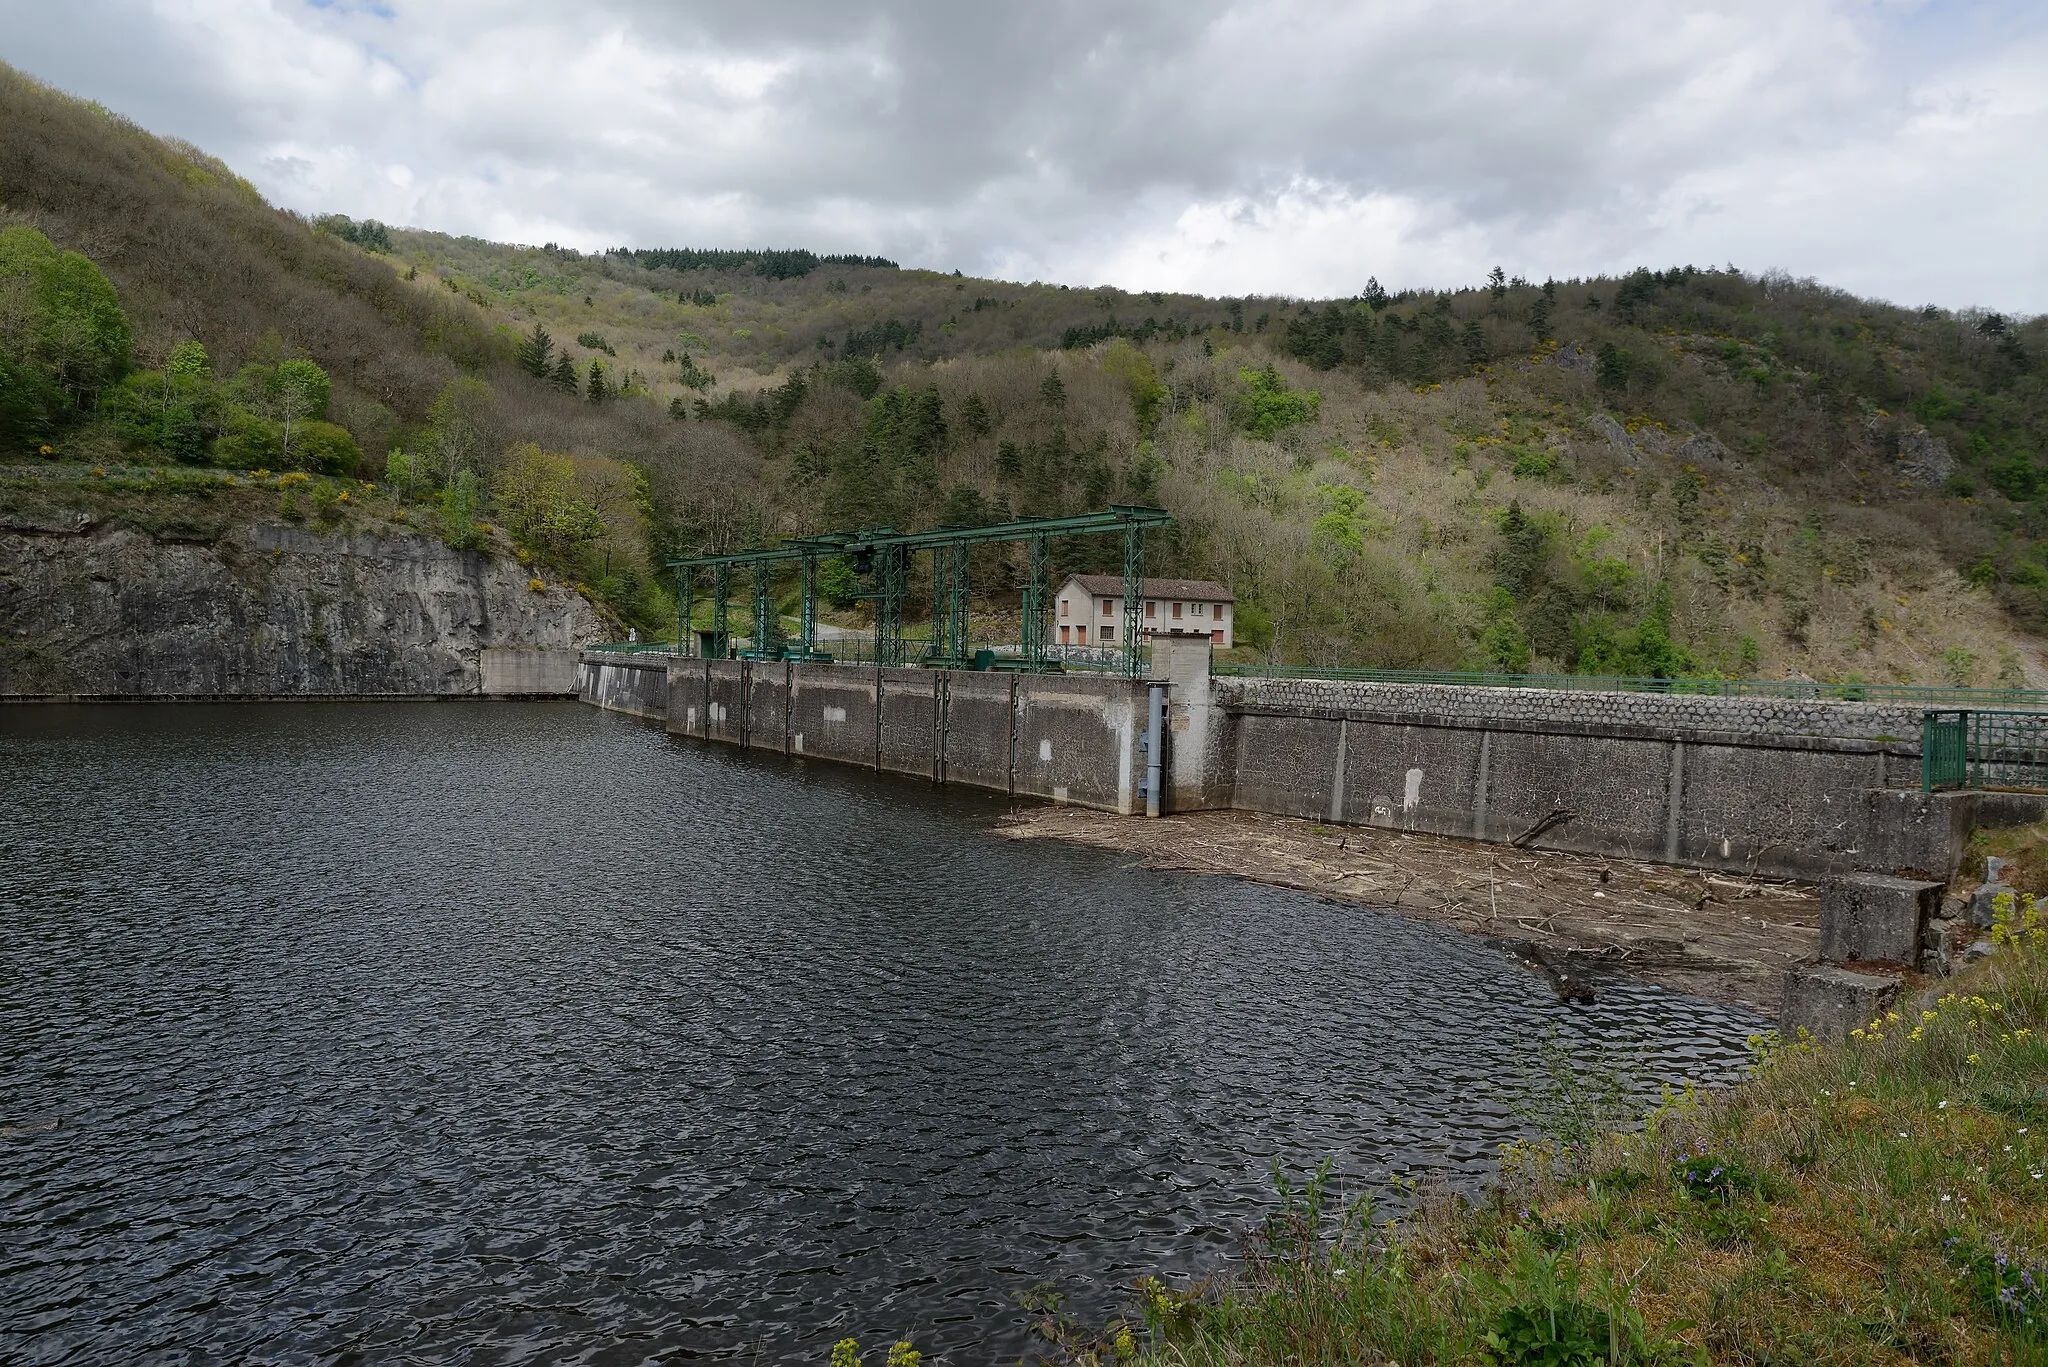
1337 780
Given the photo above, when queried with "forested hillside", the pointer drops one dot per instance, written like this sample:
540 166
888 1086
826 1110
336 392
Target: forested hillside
1684 471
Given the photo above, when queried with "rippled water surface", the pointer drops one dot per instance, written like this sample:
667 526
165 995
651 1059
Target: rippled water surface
523 1033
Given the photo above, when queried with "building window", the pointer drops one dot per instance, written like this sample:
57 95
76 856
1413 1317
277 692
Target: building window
1108 633
1106 609
1151 609
1065 631
1198 609
1176 612
1064 605
1217 637
1081 636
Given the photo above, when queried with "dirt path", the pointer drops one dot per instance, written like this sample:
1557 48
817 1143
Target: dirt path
1708 934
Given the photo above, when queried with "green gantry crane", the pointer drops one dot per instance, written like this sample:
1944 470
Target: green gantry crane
882 557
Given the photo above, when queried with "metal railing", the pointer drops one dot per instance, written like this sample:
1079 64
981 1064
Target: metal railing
1798 689
860 650
2016 704
1964 748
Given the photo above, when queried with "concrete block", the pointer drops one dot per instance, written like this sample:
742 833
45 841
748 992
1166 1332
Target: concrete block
1915 832
506 672
1828 1002
1871 917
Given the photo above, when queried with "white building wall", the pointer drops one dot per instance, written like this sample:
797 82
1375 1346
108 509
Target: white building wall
1073 608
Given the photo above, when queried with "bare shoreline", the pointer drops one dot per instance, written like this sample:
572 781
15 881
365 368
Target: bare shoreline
1725 938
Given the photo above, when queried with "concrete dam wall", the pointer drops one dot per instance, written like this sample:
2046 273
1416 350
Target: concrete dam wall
1763 784
1066 738
1758 785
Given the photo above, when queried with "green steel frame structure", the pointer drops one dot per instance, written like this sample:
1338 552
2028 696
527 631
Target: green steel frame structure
883 557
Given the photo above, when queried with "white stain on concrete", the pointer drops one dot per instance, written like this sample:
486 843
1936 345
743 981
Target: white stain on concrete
1412 794
835 714
1045 755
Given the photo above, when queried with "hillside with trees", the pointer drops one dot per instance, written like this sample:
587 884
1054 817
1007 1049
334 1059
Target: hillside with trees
1682 471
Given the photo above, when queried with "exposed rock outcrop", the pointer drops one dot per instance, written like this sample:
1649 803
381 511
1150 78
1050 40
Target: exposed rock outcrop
1924 458
99 608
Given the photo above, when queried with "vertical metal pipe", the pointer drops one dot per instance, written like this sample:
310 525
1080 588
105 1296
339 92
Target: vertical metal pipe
1155 744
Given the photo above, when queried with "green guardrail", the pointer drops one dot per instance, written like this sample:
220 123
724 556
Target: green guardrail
1799 689
1966 748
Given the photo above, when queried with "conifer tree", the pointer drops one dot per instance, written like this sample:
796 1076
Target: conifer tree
1475 343
598 388
974 416
1053 391
565 372
535 352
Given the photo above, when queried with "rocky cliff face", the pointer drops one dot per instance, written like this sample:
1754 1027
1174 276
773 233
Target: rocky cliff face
99 608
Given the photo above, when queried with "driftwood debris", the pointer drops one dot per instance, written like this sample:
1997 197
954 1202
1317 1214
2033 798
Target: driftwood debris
1558 816
1713 935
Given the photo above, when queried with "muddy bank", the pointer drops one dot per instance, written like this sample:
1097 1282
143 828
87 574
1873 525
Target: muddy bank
1577 917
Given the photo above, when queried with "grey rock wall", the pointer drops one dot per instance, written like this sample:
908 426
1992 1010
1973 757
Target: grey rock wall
103 609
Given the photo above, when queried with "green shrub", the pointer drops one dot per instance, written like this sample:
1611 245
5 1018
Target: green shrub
1267 406
248 442
324 447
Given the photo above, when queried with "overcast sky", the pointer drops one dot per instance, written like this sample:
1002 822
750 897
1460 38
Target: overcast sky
1896 148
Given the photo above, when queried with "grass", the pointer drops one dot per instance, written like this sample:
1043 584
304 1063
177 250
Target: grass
1879 1202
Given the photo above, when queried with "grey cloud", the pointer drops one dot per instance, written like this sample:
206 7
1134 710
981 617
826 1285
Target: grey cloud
1058 133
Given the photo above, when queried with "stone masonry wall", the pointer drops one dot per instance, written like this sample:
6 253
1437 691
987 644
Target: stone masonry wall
1660 712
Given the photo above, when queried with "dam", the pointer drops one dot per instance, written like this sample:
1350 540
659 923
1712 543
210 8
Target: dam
1833 791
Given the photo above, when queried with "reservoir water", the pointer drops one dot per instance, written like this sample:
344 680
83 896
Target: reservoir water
524 1033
